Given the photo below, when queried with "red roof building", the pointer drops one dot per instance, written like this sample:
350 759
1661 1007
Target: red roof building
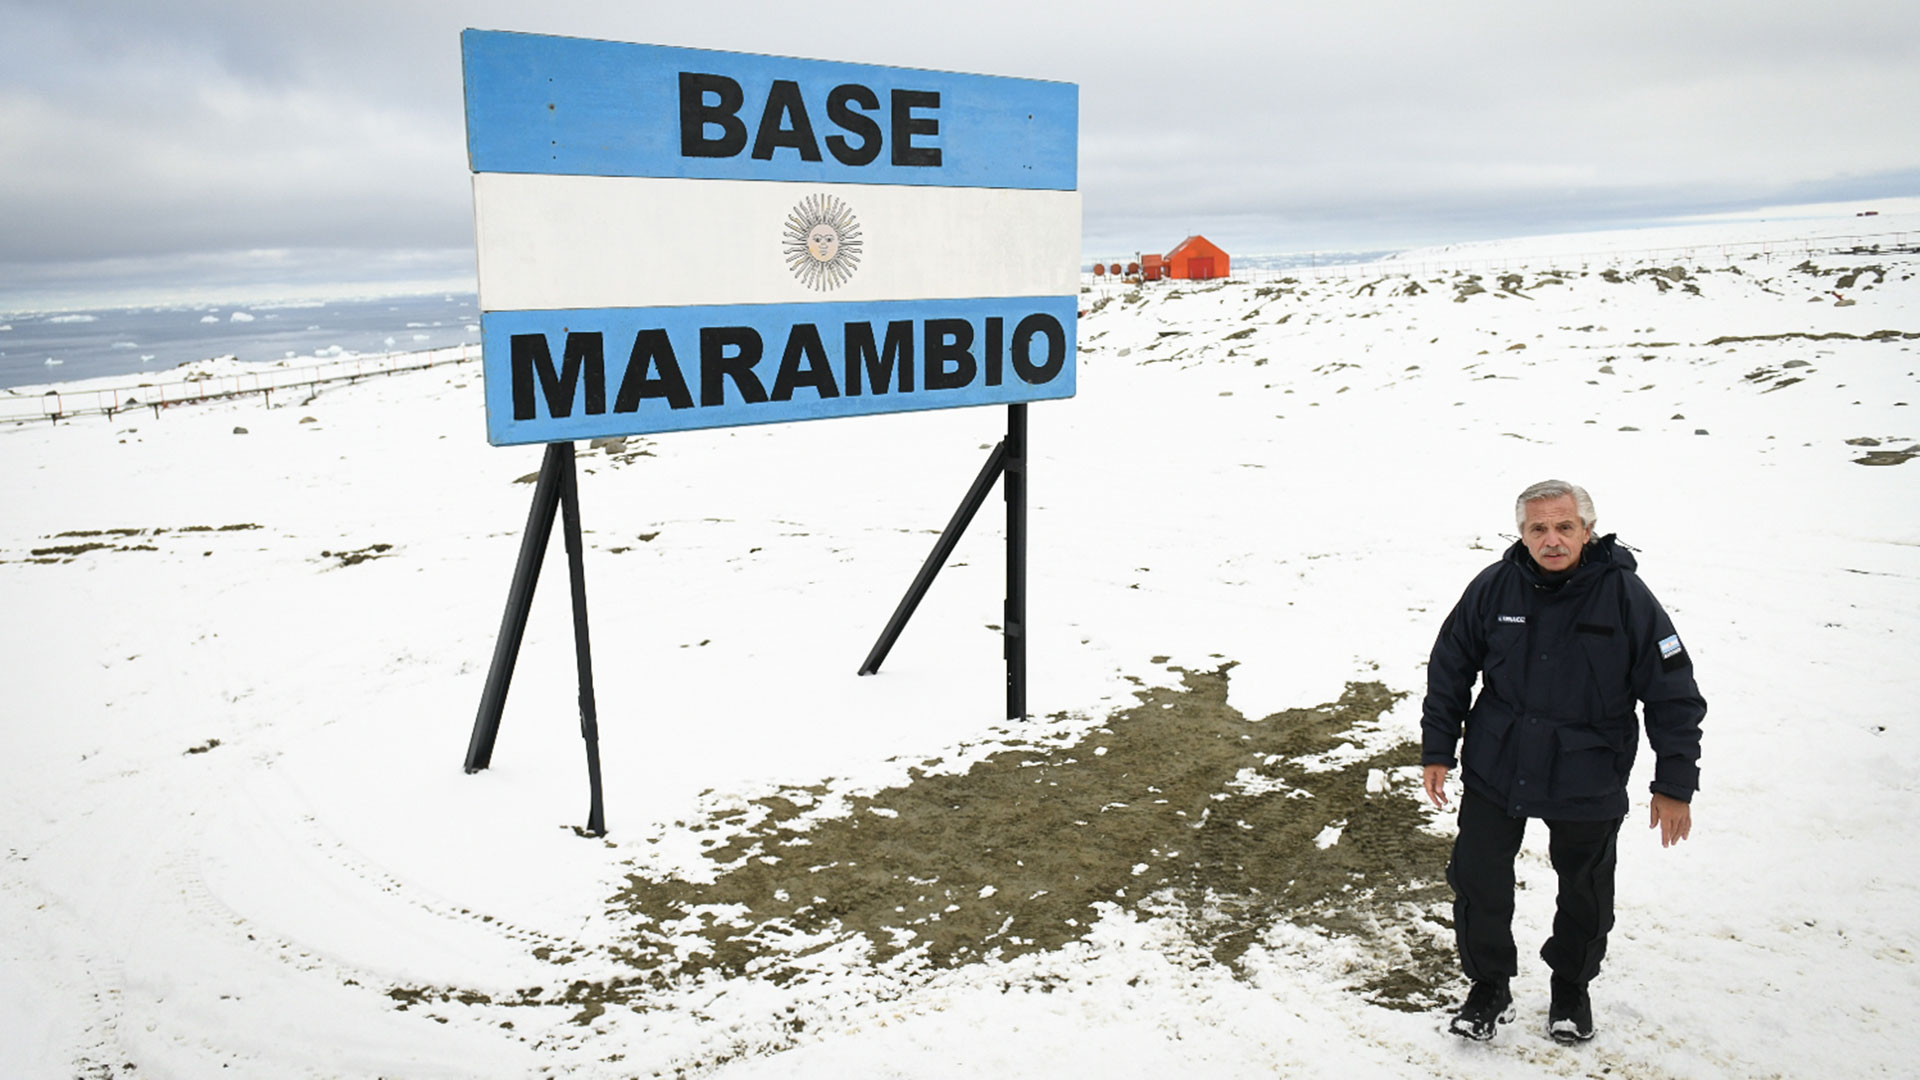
1197 258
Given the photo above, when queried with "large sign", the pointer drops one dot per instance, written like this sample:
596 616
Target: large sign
679 238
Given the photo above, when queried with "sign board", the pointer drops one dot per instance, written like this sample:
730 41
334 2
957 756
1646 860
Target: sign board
680 238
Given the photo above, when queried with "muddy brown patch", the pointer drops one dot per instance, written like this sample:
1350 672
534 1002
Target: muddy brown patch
1178 808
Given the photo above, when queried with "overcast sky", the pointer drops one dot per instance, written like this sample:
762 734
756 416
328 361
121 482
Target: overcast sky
243 144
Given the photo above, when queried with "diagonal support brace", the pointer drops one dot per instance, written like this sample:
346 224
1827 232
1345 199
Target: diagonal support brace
555 492
1008 459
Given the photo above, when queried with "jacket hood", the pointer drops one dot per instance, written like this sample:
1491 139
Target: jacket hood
1600 556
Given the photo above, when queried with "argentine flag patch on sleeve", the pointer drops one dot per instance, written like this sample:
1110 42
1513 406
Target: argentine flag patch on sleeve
1673 655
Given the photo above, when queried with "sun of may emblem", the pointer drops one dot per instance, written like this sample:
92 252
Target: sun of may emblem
822 243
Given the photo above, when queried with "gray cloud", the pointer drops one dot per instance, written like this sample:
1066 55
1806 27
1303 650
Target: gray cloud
157 132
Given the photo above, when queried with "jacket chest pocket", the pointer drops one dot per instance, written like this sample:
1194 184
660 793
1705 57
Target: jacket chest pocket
1609 665
1505 664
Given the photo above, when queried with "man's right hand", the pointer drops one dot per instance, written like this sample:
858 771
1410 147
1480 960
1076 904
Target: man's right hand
1435 780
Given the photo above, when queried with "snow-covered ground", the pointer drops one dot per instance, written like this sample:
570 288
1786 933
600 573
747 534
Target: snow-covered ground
241 671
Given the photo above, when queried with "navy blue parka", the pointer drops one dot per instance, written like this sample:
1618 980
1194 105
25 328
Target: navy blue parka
1562 658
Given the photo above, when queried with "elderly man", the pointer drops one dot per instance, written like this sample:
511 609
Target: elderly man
1564 638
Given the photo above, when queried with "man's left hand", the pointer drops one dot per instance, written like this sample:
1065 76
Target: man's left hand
1673 818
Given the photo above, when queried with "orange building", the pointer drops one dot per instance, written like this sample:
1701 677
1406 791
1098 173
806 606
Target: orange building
1198 258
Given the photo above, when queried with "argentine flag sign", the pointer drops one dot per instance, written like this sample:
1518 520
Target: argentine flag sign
680 238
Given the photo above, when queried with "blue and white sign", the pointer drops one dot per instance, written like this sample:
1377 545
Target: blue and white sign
679 238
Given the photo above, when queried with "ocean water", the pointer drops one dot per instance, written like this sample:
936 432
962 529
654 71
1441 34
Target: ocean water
143 342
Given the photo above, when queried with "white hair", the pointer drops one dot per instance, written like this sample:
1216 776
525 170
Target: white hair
1553 489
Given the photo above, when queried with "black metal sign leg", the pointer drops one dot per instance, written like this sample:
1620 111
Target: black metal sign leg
513 625
583 653
942 548
1014 625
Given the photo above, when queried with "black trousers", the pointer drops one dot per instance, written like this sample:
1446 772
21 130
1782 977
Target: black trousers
1584 854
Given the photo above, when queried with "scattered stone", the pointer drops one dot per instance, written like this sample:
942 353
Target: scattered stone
1888 457
1629 427
309 419
1699 431
1848 280
67 549
239 430
1835 335
358 555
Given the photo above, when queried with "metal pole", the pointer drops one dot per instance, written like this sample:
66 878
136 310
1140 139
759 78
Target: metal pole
1014 625
513 625
583 653
942 548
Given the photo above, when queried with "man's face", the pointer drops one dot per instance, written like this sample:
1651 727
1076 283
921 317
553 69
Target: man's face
1554 533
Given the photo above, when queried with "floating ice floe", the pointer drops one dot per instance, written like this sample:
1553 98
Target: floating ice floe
240 316
71 319
209 318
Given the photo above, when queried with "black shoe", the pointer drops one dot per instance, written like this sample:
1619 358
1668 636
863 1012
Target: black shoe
1570 1017
1488 1003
